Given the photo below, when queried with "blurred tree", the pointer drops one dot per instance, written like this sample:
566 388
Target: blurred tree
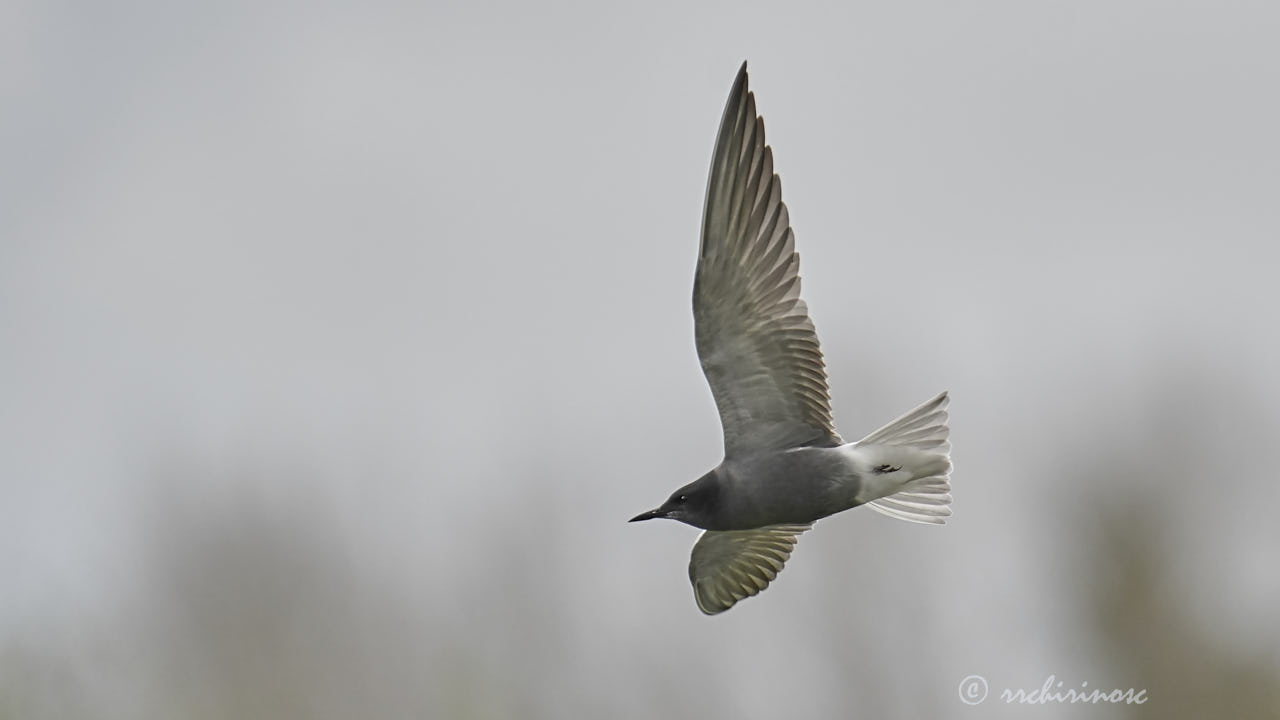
1152 635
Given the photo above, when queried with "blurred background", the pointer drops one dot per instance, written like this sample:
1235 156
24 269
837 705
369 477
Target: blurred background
338 341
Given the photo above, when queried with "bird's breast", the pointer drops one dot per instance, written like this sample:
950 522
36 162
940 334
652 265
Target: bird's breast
793 486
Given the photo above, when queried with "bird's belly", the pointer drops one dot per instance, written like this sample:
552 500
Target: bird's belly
799 486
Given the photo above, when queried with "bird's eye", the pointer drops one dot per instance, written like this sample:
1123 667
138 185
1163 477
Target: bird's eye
682 499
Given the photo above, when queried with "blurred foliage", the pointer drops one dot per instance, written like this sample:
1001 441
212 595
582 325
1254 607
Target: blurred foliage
1153 636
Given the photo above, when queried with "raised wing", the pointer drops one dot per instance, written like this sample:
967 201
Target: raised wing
728 566
754 336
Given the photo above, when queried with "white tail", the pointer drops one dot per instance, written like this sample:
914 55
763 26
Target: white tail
917 447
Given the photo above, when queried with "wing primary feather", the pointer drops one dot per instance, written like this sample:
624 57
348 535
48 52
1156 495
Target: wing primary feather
757 345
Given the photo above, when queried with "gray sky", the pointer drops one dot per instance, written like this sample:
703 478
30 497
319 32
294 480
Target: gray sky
408 286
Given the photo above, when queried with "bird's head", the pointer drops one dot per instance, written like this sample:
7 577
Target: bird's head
695 503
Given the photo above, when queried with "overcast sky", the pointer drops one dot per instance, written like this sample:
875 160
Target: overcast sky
405 290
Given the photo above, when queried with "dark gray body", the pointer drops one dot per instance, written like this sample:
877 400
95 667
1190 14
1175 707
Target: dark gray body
798 485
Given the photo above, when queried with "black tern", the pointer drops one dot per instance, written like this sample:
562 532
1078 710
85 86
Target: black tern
785 466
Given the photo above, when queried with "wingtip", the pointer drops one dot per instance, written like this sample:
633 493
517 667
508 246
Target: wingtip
740 80
741 77
708 610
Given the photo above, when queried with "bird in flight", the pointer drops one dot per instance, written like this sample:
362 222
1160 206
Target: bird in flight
785 466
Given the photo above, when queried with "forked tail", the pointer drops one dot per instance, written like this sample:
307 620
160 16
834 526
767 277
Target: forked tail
911 456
